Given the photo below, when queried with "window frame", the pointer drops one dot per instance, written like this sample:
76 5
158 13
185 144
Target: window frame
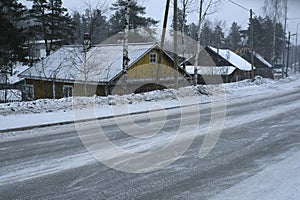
67 91
153 60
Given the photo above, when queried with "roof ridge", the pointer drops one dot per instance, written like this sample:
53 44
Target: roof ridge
121 44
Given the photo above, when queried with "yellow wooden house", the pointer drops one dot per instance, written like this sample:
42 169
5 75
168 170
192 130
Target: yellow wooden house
99 71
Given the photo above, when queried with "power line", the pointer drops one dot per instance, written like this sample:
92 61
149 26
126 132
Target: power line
239 5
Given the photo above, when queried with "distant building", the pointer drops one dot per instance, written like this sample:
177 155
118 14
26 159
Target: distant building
37 50
262 67
219 64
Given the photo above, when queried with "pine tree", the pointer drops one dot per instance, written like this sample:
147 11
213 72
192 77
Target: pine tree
97 26
137 20
11 32
266 41
206 34
233 40
218 37
92 22
79 28
263 38
180 22
192 31
52 23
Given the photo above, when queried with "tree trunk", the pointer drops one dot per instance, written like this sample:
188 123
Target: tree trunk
198 44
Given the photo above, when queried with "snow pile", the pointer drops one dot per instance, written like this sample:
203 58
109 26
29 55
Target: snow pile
66 104
258 80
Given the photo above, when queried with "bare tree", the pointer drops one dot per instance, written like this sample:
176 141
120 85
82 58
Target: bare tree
87 67
97 65
186 6
207 7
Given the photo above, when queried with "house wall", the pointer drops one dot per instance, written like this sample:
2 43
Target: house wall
239 75
264 72
44 89
143 69
143 73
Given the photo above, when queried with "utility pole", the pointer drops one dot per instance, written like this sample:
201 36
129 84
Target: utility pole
296 52
175 44
285 28
125 46
297 59
252 44
162 42
288 55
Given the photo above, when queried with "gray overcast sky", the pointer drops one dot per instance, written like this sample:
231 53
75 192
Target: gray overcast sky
226 11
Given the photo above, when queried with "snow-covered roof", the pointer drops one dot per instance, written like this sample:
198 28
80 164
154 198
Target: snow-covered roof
211 70
103 63
259 57
233 58
18 69
42 41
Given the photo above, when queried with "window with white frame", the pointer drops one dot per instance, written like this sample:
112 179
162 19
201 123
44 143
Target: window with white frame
68 91
153 58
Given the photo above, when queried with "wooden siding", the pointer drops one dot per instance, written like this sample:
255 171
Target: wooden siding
44 89
144 73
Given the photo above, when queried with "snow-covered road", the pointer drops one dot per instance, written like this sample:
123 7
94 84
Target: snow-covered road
260 139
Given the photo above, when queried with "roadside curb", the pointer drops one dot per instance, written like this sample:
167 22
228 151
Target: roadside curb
95 119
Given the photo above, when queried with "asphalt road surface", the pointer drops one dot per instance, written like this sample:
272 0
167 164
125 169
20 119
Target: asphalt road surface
54 164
